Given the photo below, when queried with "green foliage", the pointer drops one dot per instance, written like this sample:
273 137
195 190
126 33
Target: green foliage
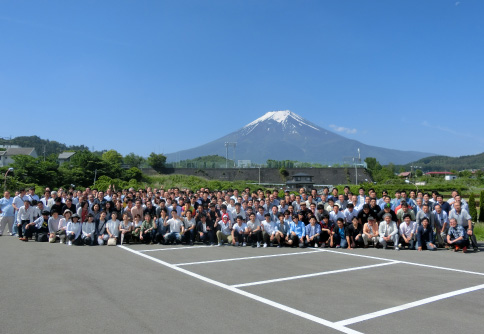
472 207
112 157
207 161
444 163
284 173
51 146
195 182
133 173
479 231
378 172
481 207
465 173
157 161
133 160
30 170
418 173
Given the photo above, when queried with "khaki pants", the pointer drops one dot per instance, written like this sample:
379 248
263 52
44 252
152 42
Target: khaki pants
221 237
366 240
6 221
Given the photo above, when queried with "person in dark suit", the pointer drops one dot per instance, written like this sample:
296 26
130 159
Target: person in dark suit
205 230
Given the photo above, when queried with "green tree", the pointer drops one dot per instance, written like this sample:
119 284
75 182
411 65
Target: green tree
472 207
481 207
133 173
157 161
133 160
32 170
418 173
112 157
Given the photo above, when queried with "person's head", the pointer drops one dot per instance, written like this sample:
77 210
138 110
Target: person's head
114 216
27 204
457 206
425 208
295 219
453 222
90 217
125 216
75 218
45 214
354 220
274 209
407 218
340 222
102 215
335 208
366 208
387 217
240 220
280 216
437 208
147 217
425 222
252 217
267 217
312 220
371 220
300 216
225 218
350 207
387 207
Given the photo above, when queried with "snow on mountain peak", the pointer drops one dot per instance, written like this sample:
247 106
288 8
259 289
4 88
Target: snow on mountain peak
280 116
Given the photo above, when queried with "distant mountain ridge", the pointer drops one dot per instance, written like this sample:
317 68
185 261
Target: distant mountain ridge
439 163
284 135
51 146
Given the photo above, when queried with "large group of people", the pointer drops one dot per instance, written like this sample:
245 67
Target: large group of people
307 218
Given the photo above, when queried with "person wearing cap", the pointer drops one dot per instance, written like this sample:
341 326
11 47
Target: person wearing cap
407 232
297 232
268 230
388 231
205 230
88 230
254 231
338 235
370 232
25 218
364 214
387 208
225 232
425 236
73 231
313 232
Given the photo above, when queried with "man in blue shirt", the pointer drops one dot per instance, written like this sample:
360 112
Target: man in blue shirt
6 213
297 232
338 236
457 237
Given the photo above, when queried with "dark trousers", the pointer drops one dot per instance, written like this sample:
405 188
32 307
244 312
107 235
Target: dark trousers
240 237
313 242
89 240
28 232
76 241
189 236
411 244
21 228
256 236
295 240
207 237
461 243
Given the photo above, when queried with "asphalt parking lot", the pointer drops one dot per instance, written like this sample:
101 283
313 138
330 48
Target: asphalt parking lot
154 288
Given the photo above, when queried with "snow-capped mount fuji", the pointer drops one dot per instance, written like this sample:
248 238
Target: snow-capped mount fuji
284 135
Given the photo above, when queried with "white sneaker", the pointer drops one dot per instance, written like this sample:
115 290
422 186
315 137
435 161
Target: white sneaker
396 248
258 244
69 243
399 246
316 245
265 245
61 242
244 244
219 244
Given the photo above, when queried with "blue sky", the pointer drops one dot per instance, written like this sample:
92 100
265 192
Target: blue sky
143 76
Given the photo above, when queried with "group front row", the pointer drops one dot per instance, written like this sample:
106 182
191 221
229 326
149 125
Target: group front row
409 234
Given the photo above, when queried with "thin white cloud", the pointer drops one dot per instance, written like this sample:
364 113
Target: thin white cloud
343 129
457 3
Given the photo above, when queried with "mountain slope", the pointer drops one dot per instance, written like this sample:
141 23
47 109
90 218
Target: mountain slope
282 135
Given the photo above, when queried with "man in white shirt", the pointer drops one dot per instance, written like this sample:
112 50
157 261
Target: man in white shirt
407 232
268 230
176 228
25 215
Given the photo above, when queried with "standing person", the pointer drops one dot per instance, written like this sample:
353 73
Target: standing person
25 216
88 233
7 213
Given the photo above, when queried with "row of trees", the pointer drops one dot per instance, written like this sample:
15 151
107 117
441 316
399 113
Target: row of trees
83 169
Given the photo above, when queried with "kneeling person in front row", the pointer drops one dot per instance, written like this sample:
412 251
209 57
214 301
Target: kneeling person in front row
73 231
338 235
388 231
297 231
425 236
457 237
313 231
176 229
354 235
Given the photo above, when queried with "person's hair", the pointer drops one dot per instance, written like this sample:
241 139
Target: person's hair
387 215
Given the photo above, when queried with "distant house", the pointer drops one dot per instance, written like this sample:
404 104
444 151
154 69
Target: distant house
65 157
6 157
300 180
405 174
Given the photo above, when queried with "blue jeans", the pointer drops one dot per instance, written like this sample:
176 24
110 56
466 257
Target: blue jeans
337 240
172 236
427 246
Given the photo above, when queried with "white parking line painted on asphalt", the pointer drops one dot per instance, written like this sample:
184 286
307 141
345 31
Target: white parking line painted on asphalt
266 301
243 258
313 275
171 248
417 303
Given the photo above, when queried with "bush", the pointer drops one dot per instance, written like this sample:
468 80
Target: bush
472 207
479 231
